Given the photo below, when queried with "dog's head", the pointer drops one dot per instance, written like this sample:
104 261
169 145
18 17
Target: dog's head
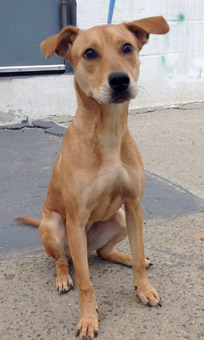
105 58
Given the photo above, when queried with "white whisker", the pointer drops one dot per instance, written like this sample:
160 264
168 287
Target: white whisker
143 90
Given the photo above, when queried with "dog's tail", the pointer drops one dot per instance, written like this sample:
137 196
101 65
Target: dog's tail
28 220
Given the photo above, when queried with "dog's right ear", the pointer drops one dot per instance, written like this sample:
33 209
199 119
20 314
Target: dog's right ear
60 43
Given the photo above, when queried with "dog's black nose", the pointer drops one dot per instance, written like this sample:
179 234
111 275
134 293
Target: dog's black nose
119 81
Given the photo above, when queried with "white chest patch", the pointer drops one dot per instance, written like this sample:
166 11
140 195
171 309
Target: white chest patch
110 190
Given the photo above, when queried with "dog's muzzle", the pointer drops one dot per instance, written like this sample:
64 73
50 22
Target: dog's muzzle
119 83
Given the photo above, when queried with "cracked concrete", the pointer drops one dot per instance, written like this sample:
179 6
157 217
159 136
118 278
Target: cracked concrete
48 126
172 148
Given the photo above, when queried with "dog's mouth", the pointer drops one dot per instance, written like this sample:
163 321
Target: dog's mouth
120 97
108 95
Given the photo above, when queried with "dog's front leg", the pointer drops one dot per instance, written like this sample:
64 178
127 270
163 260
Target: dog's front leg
134 221
87 327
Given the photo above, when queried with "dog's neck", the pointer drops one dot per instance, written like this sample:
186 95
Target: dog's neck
101 120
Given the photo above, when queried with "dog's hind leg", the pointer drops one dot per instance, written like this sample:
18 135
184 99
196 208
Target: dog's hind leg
54 238
114 231
103 236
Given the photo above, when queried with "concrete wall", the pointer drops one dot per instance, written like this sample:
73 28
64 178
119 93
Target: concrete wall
172 66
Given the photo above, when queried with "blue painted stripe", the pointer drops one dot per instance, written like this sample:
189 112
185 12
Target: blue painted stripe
110 11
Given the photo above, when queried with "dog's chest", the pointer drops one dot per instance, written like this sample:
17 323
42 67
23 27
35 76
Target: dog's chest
111 189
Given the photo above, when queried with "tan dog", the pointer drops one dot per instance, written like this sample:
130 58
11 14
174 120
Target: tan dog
99 167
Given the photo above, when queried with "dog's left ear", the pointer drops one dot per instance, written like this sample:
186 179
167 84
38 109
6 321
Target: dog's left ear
142 28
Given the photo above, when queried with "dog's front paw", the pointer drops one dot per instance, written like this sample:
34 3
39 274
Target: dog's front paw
148 263
148 295
64 283
87 327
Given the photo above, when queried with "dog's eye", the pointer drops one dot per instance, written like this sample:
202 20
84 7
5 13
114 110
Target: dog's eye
90 54
127 49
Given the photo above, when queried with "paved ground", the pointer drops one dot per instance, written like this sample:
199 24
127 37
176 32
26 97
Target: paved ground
172 148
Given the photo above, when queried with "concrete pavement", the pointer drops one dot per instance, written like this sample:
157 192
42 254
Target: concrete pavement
172 148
